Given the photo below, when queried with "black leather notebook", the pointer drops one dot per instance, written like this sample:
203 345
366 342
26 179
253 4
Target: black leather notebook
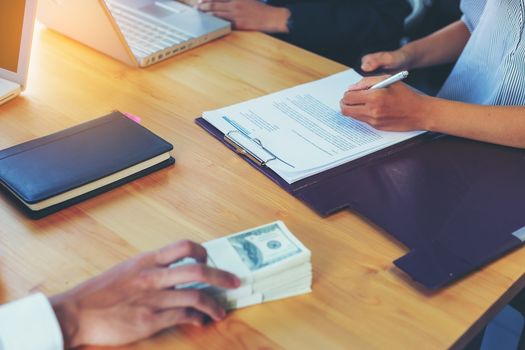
47 174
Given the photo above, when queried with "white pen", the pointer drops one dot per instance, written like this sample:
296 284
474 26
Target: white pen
389 81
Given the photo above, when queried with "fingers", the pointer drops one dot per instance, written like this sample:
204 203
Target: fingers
359 97
363 114
367 83
227 15
214 7
358 112
169 277
364 106
204 274
169 318
170 299
180 250
372 62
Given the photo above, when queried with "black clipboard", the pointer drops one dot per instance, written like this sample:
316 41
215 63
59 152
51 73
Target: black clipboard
456 204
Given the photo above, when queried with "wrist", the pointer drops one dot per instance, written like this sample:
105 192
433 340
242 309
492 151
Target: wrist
278 19
66 313
409 56
430 110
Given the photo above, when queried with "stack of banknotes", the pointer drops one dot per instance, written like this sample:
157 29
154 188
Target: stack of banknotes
271 262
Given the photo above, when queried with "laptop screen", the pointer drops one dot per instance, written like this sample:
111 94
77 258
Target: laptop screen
11 25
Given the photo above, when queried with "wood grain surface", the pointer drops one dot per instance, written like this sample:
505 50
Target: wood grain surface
359 300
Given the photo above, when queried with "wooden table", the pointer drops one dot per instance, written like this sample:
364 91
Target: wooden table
359 300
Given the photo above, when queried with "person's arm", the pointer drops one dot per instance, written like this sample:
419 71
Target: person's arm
330 25
248 14
504 125
399 108
132 301
443 46
29 324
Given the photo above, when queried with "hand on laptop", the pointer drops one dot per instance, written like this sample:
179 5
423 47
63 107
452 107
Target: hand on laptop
395 108
136 299
249 14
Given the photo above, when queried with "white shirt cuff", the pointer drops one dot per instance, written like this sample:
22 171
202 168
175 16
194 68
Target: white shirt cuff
30 324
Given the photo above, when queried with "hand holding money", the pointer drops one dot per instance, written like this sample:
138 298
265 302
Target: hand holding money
271 262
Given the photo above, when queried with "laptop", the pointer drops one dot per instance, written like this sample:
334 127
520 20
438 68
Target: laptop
136 32
17 20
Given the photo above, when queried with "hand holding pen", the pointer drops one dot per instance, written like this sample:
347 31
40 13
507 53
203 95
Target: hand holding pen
385 103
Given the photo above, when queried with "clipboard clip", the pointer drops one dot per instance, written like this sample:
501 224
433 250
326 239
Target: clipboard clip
240 149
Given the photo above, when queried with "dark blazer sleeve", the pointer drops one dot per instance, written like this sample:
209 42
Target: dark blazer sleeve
345 29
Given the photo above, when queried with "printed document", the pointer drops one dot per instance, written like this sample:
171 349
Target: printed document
300 132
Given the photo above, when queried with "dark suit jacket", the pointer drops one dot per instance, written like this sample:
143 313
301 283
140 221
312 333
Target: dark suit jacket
344 30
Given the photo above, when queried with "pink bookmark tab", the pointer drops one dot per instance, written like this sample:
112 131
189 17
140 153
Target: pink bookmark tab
132 117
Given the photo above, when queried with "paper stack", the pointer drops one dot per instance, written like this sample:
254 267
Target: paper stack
300 132
271 262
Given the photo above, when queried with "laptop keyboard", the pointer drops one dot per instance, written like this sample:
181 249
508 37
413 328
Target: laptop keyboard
145 37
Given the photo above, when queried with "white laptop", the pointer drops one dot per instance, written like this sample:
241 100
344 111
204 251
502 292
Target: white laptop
136 32
17 20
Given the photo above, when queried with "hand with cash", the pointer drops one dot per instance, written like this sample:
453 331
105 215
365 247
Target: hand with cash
135 299
270 261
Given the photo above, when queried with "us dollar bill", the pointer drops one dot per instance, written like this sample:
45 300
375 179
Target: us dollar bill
266 245
254 254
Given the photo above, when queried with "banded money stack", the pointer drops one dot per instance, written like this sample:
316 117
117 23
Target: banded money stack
271 262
